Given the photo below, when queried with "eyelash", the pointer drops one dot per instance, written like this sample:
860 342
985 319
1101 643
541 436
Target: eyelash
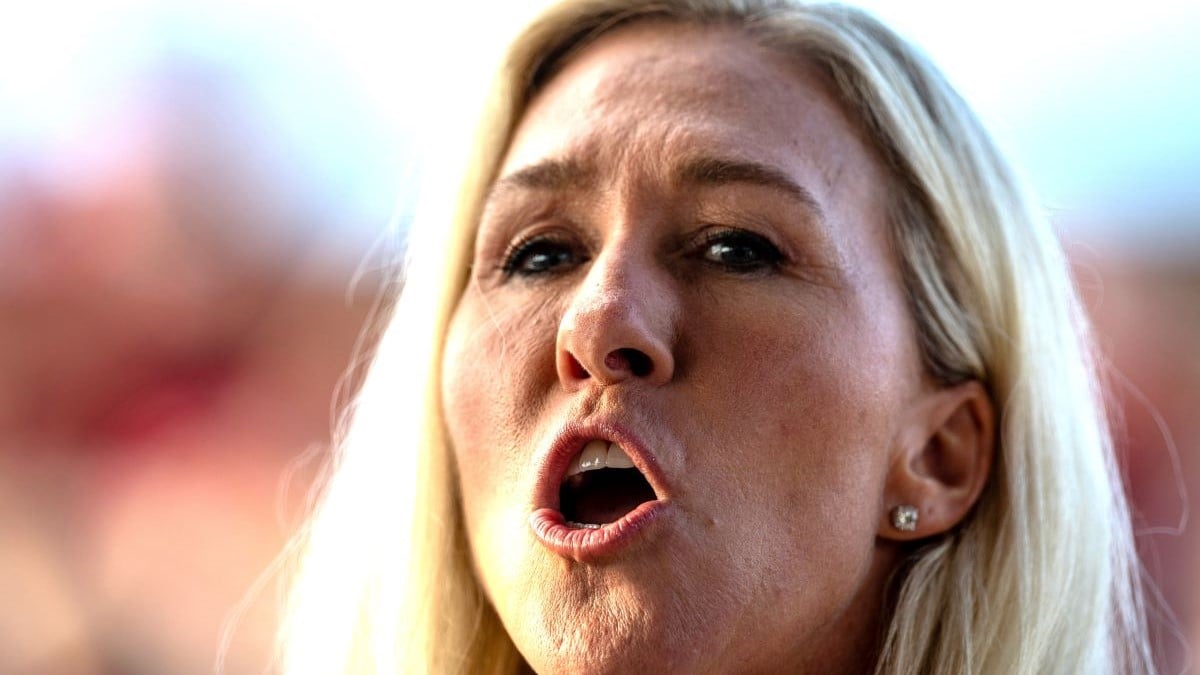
521 249
768 255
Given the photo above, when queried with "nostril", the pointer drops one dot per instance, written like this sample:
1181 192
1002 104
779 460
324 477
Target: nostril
575 369
633 360
639 363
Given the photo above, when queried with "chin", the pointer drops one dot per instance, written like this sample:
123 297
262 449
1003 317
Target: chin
600 622
611 654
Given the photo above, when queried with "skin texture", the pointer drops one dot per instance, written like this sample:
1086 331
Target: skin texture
781 395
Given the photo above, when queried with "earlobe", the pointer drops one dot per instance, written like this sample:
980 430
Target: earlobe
938 471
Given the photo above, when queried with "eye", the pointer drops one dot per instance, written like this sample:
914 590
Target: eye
739 251
540 256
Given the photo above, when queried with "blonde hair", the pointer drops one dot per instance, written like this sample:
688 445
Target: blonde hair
1041 578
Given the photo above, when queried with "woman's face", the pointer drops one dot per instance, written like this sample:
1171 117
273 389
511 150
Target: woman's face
683 266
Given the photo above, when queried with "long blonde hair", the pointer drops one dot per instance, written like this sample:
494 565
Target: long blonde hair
1041 578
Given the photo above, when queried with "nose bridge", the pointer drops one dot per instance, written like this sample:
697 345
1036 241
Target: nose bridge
609 290
621 321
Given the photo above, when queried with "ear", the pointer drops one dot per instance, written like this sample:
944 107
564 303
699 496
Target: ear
941 461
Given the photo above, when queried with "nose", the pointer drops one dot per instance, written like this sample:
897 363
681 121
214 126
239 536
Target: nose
621 325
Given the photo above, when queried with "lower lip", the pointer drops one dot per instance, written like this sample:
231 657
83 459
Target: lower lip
589 545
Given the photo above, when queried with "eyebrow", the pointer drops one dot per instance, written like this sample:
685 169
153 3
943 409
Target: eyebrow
555 175
717 171
550 175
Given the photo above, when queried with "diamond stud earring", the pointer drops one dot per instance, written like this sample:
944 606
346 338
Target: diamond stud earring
904 518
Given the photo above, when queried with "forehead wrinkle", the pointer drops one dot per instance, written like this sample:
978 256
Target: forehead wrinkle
611 156
708 87
678 132
626 108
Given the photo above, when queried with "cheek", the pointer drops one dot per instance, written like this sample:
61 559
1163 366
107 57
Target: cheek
803 380
496 363
808 412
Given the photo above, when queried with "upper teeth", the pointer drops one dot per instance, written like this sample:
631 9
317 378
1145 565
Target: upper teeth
599 454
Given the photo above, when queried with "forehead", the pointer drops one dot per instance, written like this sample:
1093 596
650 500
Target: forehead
654 92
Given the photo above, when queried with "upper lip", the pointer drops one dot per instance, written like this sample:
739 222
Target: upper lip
570 441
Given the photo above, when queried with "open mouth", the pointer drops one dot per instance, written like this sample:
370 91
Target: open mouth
601 486
600 494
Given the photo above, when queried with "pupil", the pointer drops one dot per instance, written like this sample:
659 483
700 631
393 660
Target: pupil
546 260
734 254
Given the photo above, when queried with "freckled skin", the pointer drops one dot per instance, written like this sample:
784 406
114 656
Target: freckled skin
777 396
